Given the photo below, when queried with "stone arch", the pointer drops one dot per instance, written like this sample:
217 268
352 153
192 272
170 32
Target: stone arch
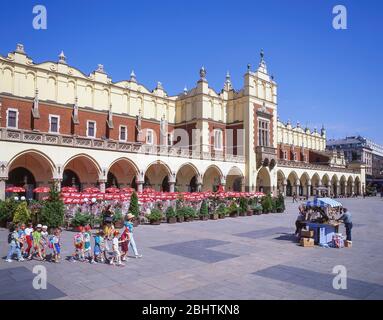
350 186
29 169
357 186
264 180
281 182
187 178
343 183
315 183
234 179
293 184
212 178
334 186
85 167
157 176
124 172
305 185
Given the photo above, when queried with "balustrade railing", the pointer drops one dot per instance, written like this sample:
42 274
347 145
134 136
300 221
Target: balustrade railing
83 142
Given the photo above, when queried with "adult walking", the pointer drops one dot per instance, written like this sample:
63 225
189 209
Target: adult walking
129 225
347 220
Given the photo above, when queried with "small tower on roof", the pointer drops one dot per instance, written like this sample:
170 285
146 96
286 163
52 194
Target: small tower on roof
262 64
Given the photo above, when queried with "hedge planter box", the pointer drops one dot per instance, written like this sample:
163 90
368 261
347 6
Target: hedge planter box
214 216
180 219
188 219
233 214
172 220
249 213
204 218
222 216
242 214
155 222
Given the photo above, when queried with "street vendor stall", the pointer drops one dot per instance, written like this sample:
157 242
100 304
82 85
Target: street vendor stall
322 220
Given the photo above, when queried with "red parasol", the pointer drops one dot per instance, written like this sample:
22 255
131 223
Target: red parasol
112 190
92 190
15 189
128 190
42 190
69 189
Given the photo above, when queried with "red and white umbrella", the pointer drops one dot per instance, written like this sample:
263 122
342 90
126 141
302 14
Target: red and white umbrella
128 190
69 189
42 190
112 190
15 189
92 190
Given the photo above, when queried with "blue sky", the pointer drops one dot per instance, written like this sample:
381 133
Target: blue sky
324 75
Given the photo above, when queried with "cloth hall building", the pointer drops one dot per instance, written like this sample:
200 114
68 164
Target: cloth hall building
60 126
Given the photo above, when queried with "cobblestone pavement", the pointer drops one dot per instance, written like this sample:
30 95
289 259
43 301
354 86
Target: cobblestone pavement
235 258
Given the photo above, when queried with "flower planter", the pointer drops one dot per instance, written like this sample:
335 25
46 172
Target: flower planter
222 216
189 219
249 213
214 216
242 214
180 219
233 214
204 218
155 222
172 220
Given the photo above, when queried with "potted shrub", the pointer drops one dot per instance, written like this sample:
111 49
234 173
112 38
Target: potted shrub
257 209
189 214
204 211
267 204
280 204
22 214
180 215
80 220
118 219
134 208
53 210
233 210
7 210
171 216
244 207
222 211
155 217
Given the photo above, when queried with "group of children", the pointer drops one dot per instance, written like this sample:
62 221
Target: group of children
27 243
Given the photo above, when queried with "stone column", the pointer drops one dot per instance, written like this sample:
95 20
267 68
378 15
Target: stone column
297 185
223 183
57 184
2 189
102 184
284 188
171 186
338 191
308 190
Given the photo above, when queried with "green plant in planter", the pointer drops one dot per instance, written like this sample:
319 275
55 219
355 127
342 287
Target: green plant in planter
171 215
267 204
22 214
96 220
187 212
118 217
179 201
52 211
243 205
7 210
233 209
180 215
155 216
134 208
281 203
222 210
80 219
204 210
257 208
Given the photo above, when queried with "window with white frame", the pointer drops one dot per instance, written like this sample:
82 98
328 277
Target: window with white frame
54 123
263 133
149 136
12 118
123 133
218 139
91 129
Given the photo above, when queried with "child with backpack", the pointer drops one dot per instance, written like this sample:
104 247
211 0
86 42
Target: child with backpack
14 244
78 241
87 245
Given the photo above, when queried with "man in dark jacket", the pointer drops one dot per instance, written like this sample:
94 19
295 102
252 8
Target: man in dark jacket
347 220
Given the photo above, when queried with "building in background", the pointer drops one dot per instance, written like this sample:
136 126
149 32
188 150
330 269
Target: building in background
357 148
60 126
